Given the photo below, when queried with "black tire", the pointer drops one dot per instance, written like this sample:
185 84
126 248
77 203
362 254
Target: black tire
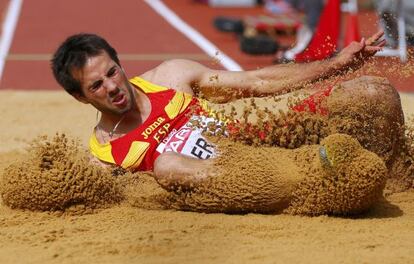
258 45
227 24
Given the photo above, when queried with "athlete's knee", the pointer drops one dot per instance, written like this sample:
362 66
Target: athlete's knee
368 93
368 108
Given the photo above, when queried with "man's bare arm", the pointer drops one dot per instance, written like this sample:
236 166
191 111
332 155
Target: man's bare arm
224 86
174 171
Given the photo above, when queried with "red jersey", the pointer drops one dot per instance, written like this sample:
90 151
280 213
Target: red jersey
166 129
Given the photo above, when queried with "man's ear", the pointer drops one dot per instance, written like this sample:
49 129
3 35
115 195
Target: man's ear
80 98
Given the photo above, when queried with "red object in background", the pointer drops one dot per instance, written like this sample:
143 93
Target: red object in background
325 38
351 29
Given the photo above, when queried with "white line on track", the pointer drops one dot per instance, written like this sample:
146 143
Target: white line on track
9 25
193 35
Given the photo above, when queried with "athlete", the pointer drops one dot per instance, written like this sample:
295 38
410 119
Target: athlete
147 122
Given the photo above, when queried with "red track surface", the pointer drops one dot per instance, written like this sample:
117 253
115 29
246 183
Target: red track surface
133 28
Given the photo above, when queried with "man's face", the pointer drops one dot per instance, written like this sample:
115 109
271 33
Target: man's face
104 85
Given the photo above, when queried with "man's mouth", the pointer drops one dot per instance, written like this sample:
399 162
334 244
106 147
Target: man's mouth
119 100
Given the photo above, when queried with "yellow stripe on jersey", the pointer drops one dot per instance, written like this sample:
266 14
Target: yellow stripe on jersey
187 101
174 106
101 151
135 154
178 104
146 86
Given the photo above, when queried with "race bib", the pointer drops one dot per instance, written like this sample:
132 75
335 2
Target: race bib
188 140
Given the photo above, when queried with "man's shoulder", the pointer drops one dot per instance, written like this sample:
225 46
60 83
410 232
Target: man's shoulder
177 74
172 66
160 73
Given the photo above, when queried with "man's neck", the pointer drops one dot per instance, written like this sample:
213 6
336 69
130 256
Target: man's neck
112 126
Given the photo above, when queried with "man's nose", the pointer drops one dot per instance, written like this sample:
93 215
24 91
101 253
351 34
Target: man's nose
110 84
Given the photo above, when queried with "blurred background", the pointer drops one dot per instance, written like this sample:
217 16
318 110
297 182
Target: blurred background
222 34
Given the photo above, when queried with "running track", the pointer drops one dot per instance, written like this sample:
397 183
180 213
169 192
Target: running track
142 38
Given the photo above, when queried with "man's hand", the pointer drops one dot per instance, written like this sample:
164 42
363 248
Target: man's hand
357 53
177 172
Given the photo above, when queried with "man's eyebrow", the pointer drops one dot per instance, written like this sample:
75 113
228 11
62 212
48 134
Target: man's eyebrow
100 80
93 84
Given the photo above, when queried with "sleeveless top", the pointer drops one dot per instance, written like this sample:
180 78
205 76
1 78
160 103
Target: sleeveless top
168 128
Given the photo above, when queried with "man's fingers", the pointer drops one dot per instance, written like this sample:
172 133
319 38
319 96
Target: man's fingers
379 34
362 43
381 43
374 38
371 50
377 42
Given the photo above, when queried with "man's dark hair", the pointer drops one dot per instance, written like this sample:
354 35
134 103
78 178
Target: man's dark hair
73 53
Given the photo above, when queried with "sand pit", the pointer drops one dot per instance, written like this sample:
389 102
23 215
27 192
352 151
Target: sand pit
137 231
56 174
347 181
